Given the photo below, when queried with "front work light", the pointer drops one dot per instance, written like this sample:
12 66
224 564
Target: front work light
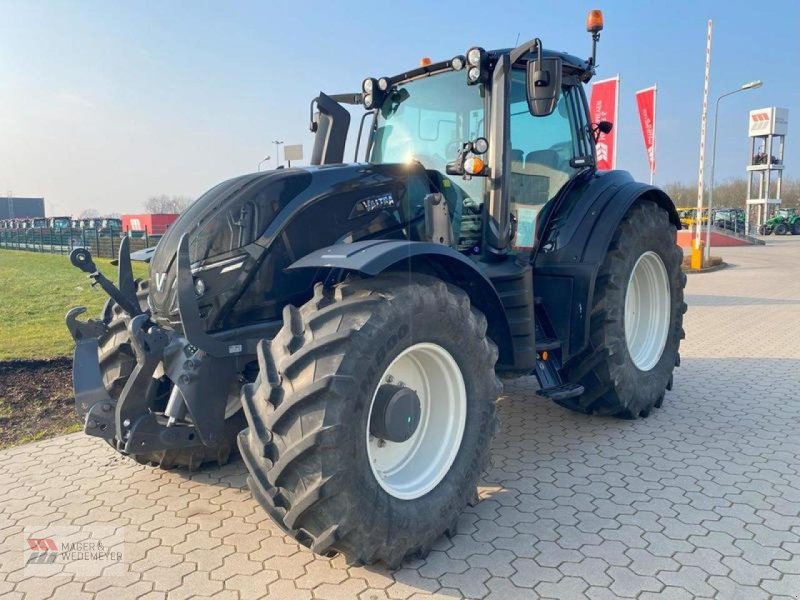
480 145
383 84
457 63
368 85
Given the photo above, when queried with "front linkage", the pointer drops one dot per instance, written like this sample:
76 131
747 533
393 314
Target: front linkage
199 366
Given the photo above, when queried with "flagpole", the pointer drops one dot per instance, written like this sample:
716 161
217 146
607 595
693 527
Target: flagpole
655 113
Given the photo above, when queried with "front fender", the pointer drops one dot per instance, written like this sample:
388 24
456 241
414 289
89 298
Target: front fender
373 257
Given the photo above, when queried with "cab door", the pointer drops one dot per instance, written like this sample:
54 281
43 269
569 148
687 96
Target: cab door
543 152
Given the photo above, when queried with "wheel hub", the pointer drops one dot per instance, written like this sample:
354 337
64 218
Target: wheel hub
395 413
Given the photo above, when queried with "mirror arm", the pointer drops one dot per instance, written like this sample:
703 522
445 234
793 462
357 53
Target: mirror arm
534 44
457 166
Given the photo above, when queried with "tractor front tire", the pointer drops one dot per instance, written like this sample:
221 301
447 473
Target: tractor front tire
318 464
117 361
636 322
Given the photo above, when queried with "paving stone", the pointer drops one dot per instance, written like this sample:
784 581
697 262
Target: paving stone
629 585
692 579
529 573
470 583
498 563
564 589
746 573
592 570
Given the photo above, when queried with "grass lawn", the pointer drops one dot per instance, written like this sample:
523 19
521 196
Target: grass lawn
36 291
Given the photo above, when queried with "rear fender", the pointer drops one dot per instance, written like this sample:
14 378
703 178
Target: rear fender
574 248
373 257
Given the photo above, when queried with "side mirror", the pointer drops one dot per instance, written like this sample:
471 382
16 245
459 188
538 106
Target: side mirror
544 85
600 128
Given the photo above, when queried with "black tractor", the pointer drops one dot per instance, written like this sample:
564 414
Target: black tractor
361 313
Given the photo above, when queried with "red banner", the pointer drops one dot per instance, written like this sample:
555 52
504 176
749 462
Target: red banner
603 107
646 102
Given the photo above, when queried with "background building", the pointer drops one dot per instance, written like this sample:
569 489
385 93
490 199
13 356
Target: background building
12 207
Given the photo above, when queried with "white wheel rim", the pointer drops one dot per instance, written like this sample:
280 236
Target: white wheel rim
647 308
411 469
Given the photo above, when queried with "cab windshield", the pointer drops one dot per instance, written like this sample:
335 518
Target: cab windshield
427 120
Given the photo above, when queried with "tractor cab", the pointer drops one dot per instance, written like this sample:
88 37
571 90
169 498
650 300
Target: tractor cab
499 133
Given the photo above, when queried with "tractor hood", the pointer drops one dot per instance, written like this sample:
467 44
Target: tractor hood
288 212
228 217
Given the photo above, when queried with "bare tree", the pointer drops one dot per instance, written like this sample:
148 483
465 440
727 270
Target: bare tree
89 213
682 194
166 204
731 193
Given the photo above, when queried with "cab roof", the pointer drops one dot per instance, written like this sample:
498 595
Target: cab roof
580 65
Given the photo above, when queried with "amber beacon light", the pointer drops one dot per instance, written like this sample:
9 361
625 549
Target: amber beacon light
594 21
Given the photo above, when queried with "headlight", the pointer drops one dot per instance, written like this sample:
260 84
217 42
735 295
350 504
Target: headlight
368 85
383 84
457 63
474 74
368 100
480 146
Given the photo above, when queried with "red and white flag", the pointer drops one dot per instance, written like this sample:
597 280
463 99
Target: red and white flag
646 102
604 106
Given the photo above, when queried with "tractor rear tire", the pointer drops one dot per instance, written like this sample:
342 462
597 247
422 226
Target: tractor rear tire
314 465
117 361
626 377
796 227
781 229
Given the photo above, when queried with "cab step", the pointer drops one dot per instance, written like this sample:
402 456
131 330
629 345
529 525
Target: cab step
562 392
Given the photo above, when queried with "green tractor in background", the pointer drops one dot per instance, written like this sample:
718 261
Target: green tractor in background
784 221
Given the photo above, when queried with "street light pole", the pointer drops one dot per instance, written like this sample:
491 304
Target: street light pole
277 151
750 85
262 161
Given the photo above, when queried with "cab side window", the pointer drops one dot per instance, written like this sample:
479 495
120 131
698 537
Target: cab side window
541 150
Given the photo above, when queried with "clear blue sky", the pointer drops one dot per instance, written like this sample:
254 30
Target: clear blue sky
103 104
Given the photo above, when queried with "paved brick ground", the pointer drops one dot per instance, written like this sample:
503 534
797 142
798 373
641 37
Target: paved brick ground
700 500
